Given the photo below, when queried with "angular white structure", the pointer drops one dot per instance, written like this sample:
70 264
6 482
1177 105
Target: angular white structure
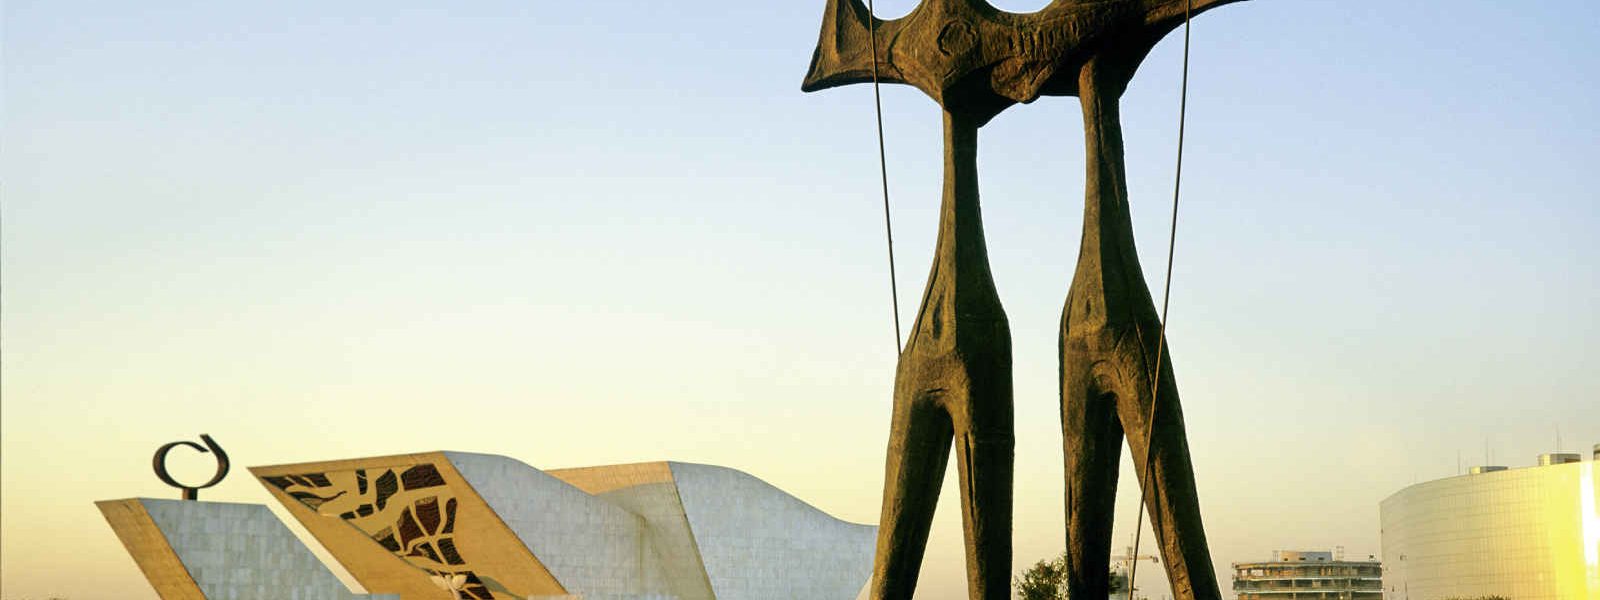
663 530
219 551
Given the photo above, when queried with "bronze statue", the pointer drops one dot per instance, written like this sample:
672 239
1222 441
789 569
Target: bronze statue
953 382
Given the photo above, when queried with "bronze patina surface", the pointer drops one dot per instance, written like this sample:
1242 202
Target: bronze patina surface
953 381
159 464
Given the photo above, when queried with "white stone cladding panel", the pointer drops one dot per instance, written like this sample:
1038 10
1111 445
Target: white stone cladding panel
587 544
669 537
759 543
242 552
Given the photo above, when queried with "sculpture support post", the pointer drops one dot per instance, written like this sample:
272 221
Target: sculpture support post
953 384
1110 333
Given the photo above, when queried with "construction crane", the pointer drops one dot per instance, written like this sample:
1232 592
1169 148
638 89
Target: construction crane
1120 565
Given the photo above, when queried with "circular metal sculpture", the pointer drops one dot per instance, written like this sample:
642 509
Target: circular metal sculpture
159 463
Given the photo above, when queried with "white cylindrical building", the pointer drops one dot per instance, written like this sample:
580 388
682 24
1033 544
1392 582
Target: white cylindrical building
1528 533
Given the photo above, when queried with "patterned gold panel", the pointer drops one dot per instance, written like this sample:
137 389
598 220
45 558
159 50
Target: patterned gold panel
495 556
408 510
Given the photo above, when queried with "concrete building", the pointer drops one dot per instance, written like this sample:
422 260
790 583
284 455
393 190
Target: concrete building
220 551
442 525
1308 575
496 528
1528 533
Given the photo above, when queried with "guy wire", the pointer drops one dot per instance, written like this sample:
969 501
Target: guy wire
1166 297
883 173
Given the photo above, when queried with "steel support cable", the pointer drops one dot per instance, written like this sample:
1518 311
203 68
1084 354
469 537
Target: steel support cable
1166 297
883 173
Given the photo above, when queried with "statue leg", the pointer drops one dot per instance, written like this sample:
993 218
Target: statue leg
985 451
941 398
1105 396
1109 335
919 447
1172 501
1092 448
953 379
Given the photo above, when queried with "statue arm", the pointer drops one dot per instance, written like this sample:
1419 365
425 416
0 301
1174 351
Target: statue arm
844 50
1166 15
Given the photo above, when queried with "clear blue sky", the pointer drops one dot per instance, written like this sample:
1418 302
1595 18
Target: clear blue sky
593 232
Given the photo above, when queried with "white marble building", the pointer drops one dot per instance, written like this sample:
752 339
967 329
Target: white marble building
220 551
443 525
649 531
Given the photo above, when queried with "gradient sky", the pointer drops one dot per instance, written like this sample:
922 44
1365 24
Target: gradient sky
596 232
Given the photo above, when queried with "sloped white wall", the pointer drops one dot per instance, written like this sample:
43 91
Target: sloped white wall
591 546
759 543
242 552
669 536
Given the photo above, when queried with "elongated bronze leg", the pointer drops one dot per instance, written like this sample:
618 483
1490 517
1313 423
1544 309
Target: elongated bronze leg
919 447
984 459
1171 501
954 378
1109 338
1092 435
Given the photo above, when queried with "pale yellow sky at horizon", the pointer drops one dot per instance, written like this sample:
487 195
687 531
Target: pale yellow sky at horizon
582 234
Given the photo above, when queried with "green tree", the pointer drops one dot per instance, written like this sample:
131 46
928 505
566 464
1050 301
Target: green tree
1047 580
